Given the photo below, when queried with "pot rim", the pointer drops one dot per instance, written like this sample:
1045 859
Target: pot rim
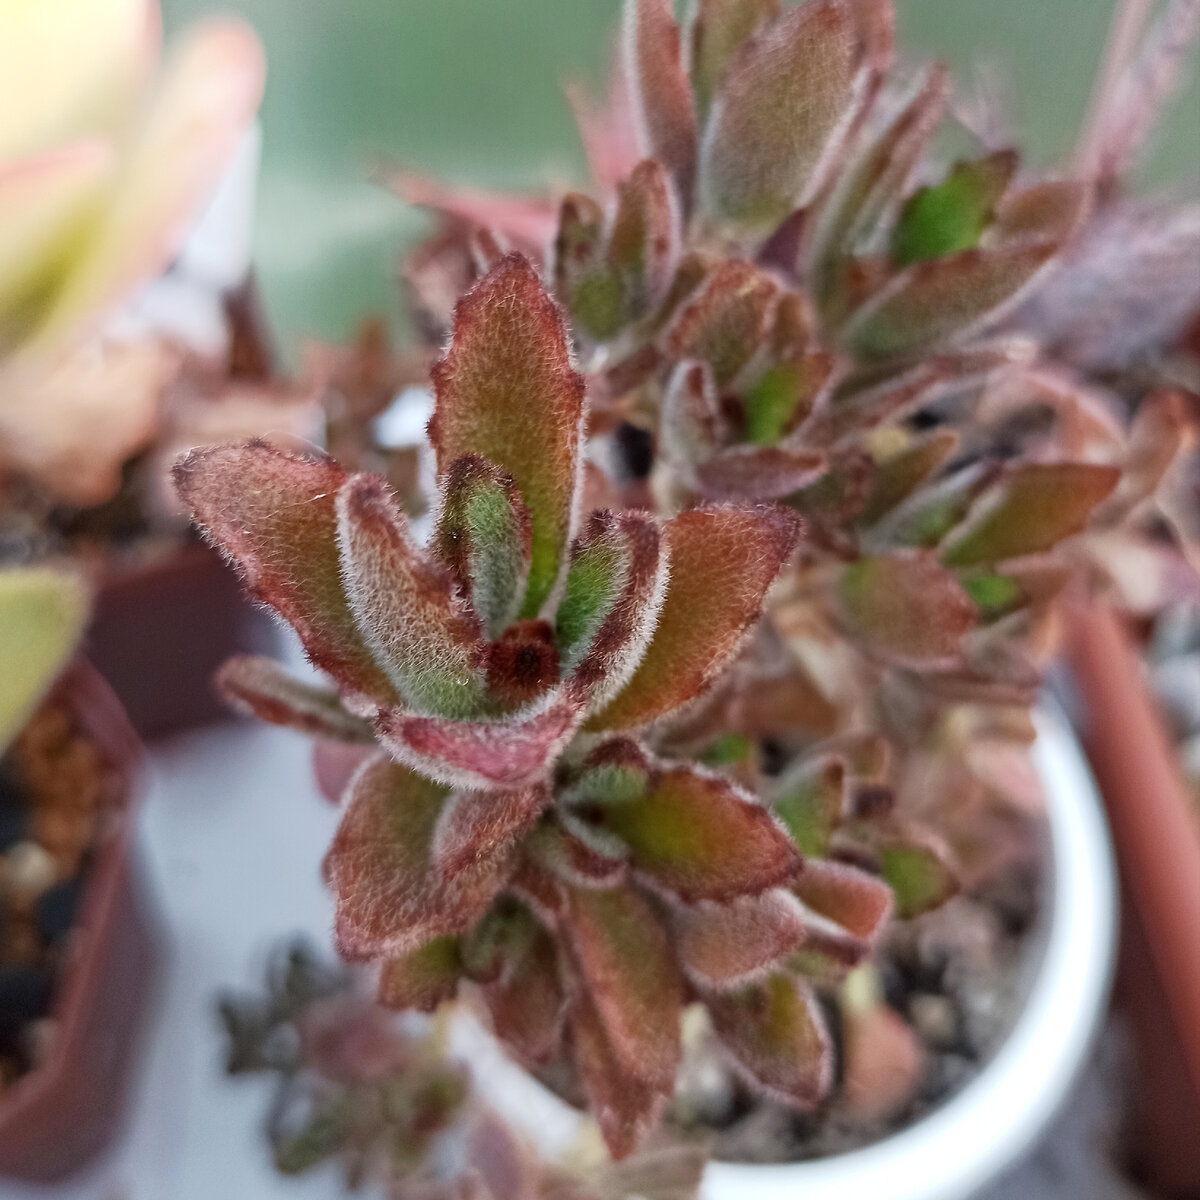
1000 1114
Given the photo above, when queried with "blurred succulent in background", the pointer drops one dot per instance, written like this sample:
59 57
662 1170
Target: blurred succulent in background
393 1109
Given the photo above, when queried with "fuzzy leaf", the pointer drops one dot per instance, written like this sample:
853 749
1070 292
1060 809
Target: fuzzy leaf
663 109
526 1000
406 605
476 825
627 967
758 473
781 397
483 535
274 515
1054 209
900 474
259 687
785 98
952 216
578 249
718 30
857 902
1033 508
625 1105
934 302
725 321
810 802
507 392
701 837
918 873
505 752
614 772
422 979
777 1038
643 248
614 590
722 562
390 897
570 851
905 606
690 424
726 944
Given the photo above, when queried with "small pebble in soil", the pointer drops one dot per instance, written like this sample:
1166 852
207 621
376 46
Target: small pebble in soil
935 1018
27 870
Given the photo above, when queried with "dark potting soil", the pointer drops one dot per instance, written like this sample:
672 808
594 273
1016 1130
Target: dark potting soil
55 789
959 977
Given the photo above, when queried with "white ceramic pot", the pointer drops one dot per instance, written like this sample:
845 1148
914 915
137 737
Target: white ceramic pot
1002 1113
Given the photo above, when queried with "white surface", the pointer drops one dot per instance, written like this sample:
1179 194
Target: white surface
233 834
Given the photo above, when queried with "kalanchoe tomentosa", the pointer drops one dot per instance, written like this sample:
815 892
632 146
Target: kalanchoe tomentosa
511 825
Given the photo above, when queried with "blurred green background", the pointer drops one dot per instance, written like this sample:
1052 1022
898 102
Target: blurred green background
470 89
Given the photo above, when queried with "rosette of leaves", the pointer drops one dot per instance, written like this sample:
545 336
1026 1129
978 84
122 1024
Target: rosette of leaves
511 822
775 263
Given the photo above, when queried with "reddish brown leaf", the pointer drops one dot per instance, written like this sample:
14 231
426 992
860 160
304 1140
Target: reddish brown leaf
722 562
726 944
476 825
690 426
390 897
273 514
614 589
905 606
786 97
758 473
663 108
625 1105
643 248
527 1000
701 837
507 392
883 1062
624 957
857 902
423 978
900 474
777 1039
572 852
1045 210
507 752
1033 508
406 605
718 30
259 687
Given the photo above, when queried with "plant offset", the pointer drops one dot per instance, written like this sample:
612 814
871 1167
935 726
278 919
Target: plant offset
594 782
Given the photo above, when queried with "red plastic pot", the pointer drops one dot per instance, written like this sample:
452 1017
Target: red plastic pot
160 630
60 1115
1157 836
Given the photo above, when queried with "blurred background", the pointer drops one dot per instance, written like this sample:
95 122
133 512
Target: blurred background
471 90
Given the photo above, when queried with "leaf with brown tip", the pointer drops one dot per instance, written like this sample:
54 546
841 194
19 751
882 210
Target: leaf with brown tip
507 392
786 97
758 473
719 29
1033 508
260 687
722 562
406 605
643 247
476 825
906 607
727 944
663 109
856 901
274 516
504 752
701 837
776 1038
390 898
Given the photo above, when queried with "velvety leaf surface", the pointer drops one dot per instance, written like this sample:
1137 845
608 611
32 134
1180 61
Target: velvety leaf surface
905 606
721 945
776 1037
507 752
758 473
1034 507
614 589
663 108
783 396
785 97
527 1001
406 605
274 515
643 247
725 321
945 298
809 800
423 978
483 535
899 475
390 897
701 837
476 825
919 875
259 687
718 29
507 392
578 249
628 969
690 425
722 562
625 1104
855 900
616 771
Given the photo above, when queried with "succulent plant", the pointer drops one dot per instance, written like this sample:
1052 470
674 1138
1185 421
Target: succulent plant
103 162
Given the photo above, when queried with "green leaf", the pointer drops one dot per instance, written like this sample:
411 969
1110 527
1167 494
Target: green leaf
718 30
42 617
423 978
782 396
809 801
952 215
919 876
